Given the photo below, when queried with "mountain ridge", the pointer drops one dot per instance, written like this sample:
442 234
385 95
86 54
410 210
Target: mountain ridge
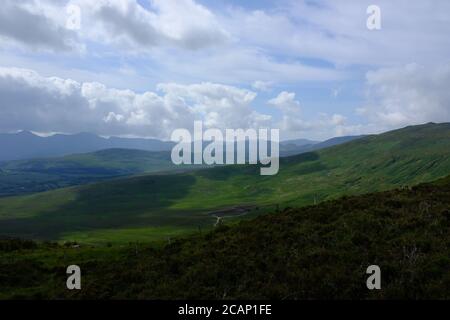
27 145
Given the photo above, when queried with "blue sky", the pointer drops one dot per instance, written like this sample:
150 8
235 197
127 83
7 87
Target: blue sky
144 68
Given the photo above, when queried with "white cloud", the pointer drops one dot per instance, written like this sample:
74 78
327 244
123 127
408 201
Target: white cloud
186 40
335 31
165 23
135 45
293 124
41 24
50 104
262 85
291 112
332 31
338 119
222 106
286 101
245 65
407 95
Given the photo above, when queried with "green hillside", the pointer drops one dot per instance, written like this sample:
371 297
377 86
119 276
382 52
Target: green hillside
37 175
29 176
315 252
160 206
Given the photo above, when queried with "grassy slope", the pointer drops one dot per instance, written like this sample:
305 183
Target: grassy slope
28 176
150 207
308 253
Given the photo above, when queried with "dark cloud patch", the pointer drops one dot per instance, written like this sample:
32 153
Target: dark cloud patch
33 29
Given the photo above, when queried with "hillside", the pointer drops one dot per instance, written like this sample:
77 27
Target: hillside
18 177
159 206
315 252
37 175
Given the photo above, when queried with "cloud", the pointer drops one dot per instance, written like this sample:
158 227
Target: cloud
291 112
47 104
200 46
164 23
214 50
221 106
336 32
41 24
285 100
327 30
412 94
244 65
293 124
338 119
262 85
27 25
50 104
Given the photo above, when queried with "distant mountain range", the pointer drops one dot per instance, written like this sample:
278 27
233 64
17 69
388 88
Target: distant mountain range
293 147
300 142
26 145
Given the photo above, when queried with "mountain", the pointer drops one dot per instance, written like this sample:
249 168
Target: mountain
292 148
299 142
26 145
335 141
160 206
315 252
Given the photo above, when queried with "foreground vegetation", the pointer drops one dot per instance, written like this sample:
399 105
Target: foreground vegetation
315 252
156 207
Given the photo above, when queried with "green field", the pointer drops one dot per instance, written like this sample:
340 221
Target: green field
314 252
158 207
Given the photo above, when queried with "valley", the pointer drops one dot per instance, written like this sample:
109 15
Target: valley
161 206
313 252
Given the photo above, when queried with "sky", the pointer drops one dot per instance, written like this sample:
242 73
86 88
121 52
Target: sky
312 69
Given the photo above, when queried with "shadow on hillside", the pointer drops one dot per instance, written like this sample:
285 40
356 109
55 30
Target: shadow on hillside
301 158
143 201
119 203
225 173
